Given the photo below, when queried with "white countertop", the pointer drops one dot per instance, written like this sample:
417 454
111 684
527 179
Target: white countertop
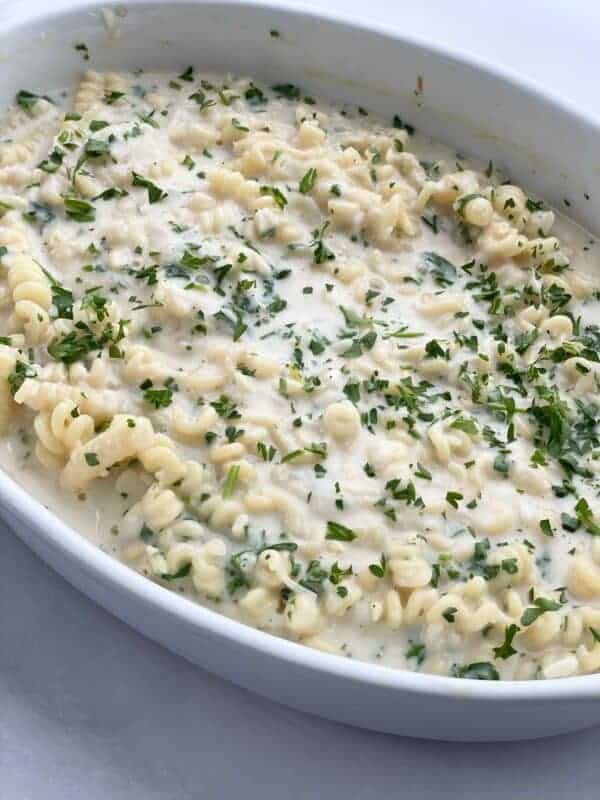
91 710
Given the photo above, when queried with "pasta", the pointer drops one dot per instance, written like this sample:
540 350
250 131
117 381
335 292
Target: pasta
308 368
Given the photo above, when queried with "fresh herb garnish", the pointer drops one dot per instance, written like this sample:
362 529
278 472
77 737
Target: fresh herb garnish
155 193
339 533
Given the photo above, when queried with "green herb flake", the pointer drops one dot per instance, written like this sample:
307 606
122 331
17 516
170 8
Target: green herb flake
182 572
231 480
339 533
308 181
479 671
449 614
540 606
586 517
379 570
278 196
159 398
79 210
442 271
506 650
287 90
187 75
110 98
155 193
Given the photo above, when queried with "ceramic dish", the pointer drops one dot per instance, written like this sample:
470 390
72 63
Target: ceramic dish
469 105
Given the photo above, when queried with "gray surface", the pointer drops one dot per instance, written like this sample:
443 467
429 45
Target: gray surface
90 709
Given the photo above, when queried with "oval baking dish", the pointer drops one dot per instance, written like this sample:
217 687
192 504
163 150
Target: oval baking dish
472 106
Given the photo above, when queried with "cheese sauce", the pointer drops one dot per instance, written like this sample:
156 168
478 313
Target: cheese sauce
306 367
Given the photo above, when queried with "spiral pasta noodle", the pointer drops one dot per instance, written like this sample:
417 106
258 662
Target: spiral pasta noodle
306 367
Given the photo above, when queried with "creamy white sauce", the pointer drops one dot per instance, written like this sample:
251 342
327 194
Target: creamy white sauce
237 317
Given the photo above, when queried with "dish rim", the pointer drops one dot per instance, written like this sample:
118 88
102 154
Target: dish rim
110 571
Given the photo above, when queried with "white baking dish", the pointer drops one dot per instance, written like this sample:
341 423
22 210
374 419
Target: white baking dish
537 139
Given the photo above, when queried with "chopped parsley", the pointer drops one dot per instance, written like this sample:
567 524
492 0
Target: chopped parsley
155 193
339 533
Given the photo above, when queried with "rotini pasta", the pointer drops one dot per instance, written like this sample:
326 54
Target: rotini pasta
307 367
